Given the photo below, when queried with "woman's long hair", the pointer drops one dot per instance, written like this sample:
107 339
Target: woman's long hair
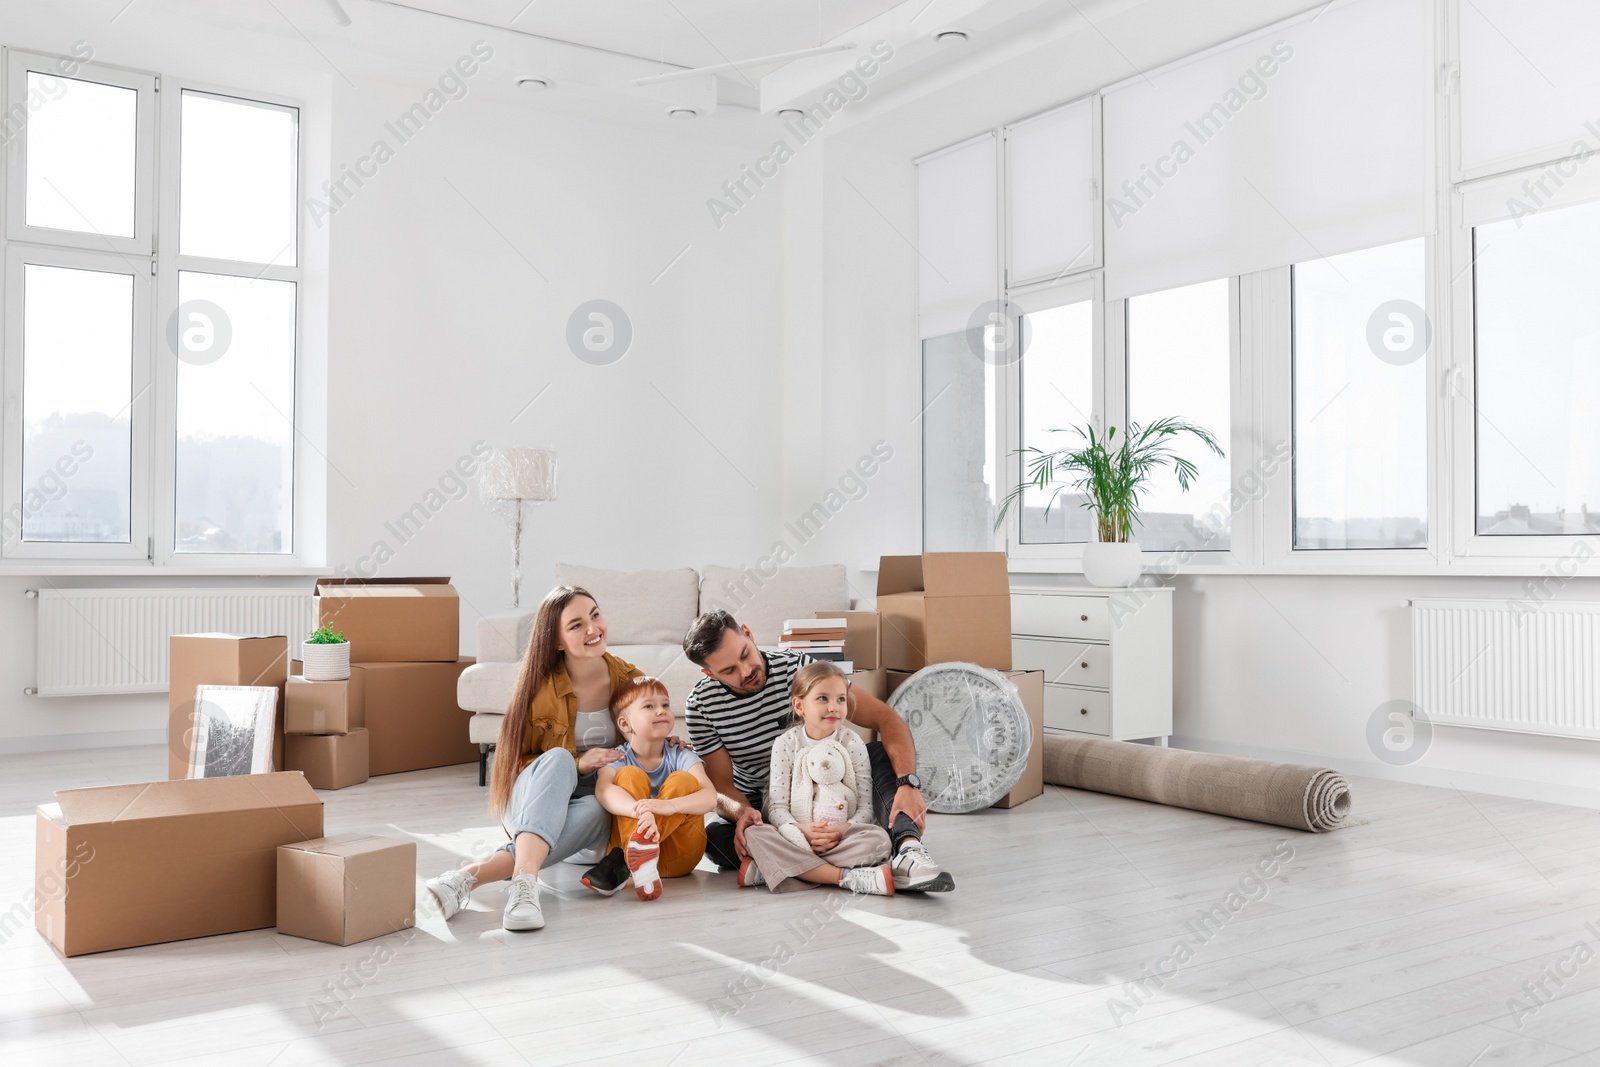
544 655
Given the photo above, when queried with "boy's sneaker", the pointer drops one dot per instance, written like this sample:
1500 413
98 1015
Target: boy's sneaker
878 881
451 889
750 874
644 860
609 875
915 871
522 904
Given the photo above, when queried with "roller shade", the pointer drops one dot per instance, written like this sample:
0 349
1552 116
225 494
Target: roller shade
1307 139
1530 89
1520 194
957 234
1052 203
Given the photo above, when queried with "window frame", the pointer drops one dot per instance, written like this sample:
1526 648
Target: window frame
155 265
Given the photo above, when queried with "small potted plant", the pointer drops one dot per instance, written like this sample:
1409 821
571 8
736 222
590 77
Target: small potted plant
326 655
1111 477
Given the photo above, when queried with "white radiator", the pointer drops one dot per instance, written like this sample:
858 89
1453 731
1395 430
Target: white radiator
1508 665
95 641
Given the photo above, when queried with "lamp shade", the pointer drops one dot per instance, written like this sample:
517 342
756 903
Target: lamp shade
521 474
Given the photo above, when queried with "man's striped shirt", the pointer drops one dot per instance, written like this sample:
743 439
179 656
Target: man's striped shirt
746 724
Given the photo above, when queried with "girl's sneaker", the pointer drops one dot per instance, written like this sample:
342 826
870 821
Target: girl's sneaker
451 889
750 874
644 860
878 881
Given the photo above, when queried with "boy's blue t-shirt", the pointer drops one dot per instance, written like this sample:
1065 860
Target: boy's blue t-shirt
672 759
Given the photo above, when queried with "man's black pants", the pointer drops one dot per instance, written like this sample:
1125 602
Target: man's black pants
719 832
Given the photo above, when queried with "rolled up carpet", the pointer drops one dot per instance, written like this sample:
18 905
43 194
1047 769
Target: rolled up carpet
1283 794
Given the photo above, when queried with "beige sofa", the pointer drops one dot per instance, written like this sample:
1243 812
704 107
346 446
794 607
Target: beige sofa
647 614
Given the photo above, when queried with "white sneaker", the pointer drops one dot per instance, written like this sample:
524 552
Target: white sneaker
915 871
450 889
878 881
522 904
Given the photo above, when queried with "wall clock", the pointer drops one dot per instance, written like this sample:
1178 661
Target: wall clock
971 731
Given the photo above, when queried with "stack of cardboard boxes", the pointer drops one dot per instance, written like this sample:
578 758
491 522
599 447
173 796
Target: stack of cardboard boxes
397 711
955 607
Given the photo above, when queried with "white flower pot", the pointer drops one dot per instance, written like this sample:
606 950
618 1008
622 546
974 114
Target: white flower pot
326 663
1112 564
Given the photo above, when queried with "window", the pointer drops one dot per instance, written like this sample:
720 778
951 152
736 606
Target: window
1360 403
958 475
119 356
1179 344
1057 370
1538 373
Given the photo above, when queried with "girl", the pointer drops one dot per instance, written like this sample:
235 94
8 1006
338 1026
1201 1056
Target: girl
851 855
557 733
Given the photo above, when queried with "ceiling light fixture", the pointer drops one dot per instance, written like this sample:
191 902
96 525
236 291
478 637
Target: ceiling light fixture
951 36
791 113
533 84
682 113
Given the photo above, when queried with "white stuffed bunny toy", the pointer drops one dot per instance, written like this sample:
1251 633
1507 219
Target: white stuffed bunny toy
822 787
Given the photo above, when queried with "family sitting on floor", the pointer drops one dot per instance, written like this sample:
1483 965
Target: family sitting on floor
769 752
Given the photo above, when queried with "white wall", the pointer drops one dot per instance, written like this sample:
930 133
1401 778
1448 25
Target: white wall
439 332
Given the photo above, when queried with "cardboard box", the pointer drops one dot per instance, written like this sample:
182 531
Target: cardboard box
870 683
863 639
131 865
893 680
1030 684
413 720
218 659
347 888
393 620
945 607
329 761
324 707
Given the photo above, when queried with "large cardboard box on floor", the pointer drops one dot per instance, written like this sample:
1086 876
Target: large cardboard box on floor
945 607
329 761
393 620
413 720
347 888
129 865
1030 685
324 707
863 639
218 659
871 683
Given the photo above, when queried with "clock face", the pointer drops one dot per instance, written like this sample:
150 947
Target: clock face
971 732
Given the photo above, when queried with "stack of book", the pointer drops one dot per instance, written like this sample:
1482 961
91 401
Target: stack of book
817 638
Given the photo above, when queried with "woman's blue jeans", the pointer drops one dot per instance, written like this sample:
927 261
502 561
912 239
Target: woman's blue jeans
546 800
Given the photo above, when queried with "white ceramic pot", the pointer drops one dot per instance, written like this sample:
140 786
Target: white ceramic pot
326 663
1112 564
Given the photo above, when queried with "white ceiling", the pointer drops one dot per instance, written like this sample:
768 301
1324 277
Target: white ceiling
685 33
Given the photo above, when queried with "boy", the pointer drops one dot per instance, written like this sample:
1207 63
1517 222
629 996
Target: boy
659 795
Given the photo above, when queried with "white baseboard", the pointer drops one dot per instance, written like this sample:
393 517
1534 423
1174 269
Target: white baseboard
69 742
1492 784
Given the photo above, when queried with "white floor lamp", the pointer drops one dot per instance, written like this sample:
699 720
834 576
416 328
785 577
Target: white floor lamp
514 477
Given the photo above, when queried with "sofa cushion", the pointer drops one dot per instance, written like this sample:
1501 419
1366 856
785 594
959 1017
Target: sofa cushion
641 607
763 603
486 687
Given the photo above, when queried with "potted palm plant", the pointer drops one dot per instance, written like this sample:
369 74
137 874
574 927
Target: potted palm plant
1111 477
326 655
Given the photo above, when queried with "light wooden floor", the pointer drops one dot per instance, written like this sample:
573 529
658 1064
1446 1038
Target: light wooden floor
1399 942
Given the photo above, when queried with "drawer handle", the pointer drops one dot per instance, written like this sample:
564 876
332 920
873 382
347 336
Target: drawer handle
1083 618
1083 711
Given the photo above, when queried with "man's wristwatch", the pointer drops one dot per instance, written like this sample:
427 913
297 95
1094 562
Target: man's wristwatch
908 779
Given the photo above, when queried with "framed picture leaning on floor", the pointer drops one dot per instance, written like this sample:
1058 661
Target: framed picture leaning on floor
232 733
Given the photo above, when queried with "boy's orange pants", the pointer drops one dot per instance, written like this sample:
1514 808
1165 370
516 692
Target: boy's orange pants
683 837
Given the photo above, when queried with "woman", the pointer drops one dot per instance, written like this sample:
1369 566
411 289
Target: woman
557 733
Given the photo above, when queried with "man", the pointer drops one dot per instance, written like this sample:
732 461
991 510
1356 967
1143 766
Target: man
738 710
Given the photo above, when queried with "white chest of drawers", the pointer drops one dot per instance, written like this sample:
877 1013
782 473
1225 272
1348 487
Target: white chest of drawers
1106 655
